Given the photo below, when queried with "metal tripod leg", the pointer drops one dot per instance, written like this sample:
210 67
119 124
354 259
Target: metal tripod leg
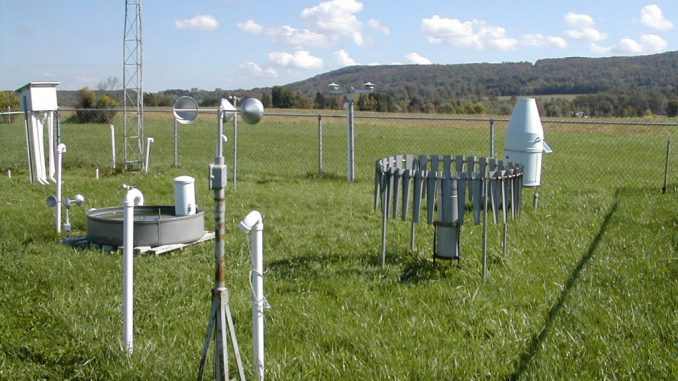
220 316
234 341
208 337
221 355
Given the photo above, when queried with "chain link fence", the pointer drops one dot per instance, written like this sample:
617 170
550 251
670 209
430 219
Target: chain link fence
587 154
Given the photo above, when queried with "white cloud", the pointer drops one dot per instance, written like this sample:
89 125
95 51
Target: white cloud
653 43
250 26
579 20
344 58
649 43
379 26
475 33
258 71
599 49
627 45
418 59
583 27
297 37
653 17
300 59
588 34
544 41
199 22
337 18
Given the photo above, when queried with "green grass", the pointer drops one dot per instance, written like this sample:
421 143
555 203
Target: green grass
587 290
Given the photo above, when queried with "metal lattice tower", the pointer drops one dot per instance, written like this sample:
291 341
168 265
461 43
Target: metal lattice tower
132 82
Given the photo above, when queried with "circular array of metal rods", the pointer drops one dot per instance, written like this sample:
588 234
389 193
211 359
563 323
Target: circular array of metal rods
447 187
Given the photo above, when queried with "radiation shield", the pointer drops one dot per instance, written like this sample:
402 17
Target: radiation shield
185 110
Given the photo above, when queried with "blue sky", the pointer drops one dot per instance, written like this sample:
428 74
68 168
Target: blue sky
242 44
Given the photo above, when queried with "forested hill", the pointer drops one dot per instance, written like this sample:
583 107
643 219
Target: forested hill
657 72
614 86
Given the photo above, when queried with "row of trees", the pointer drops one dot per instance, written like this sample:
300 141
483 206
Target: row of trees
88 104
607 104
620 104
9 100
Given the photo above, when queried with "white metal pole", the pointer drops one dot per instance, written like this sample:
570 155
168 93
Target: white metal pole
112 146
321 169
52 140
235 145
133 198
253 224
175 131
493 140
59 161
351 142
147 162
29 143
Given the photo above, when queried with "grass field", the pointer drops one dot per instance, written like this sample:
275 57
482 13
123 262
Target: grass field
587 290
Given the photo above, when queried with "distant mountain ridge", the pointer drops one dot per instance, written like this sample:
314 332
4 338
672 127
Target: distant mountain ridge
609 86
574 75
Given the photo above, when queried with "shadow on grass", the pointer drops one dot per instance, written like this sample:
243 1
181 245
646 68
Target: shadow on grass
323 176
421 269
537 340
316 265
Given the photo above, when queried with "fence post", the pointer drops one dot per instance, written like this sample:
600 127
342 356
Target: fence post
667 165
350 172
235 146
112 145
493 139
176 143
321 164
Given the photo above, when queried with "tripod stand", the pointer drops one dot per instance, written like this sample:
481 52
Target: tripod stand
220 313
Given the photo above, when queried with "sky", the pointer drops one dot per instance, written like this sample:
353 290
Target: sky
232 44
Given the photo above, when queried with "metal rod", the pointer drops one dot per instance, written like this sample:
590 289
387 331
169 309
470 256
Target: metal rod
175 131
535 199
29 143
220 312
235 146
321 164
351 143
485 197
384 223
61 149
667 164
493 139
147 161
112 146
389 116
504 242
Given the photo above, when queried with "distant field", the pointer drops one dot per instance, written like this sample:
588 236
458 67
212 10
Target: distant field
586 292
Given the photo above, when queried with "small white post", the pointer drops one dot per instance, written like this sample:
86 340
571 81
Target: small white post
133 198
96 173
9 173
351 143
61 148
112 146
253 224
235 146
148 154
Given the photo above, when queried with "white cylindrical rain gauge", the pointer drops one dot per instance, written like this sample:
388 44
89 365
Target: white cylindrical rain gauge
184 196
525 140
